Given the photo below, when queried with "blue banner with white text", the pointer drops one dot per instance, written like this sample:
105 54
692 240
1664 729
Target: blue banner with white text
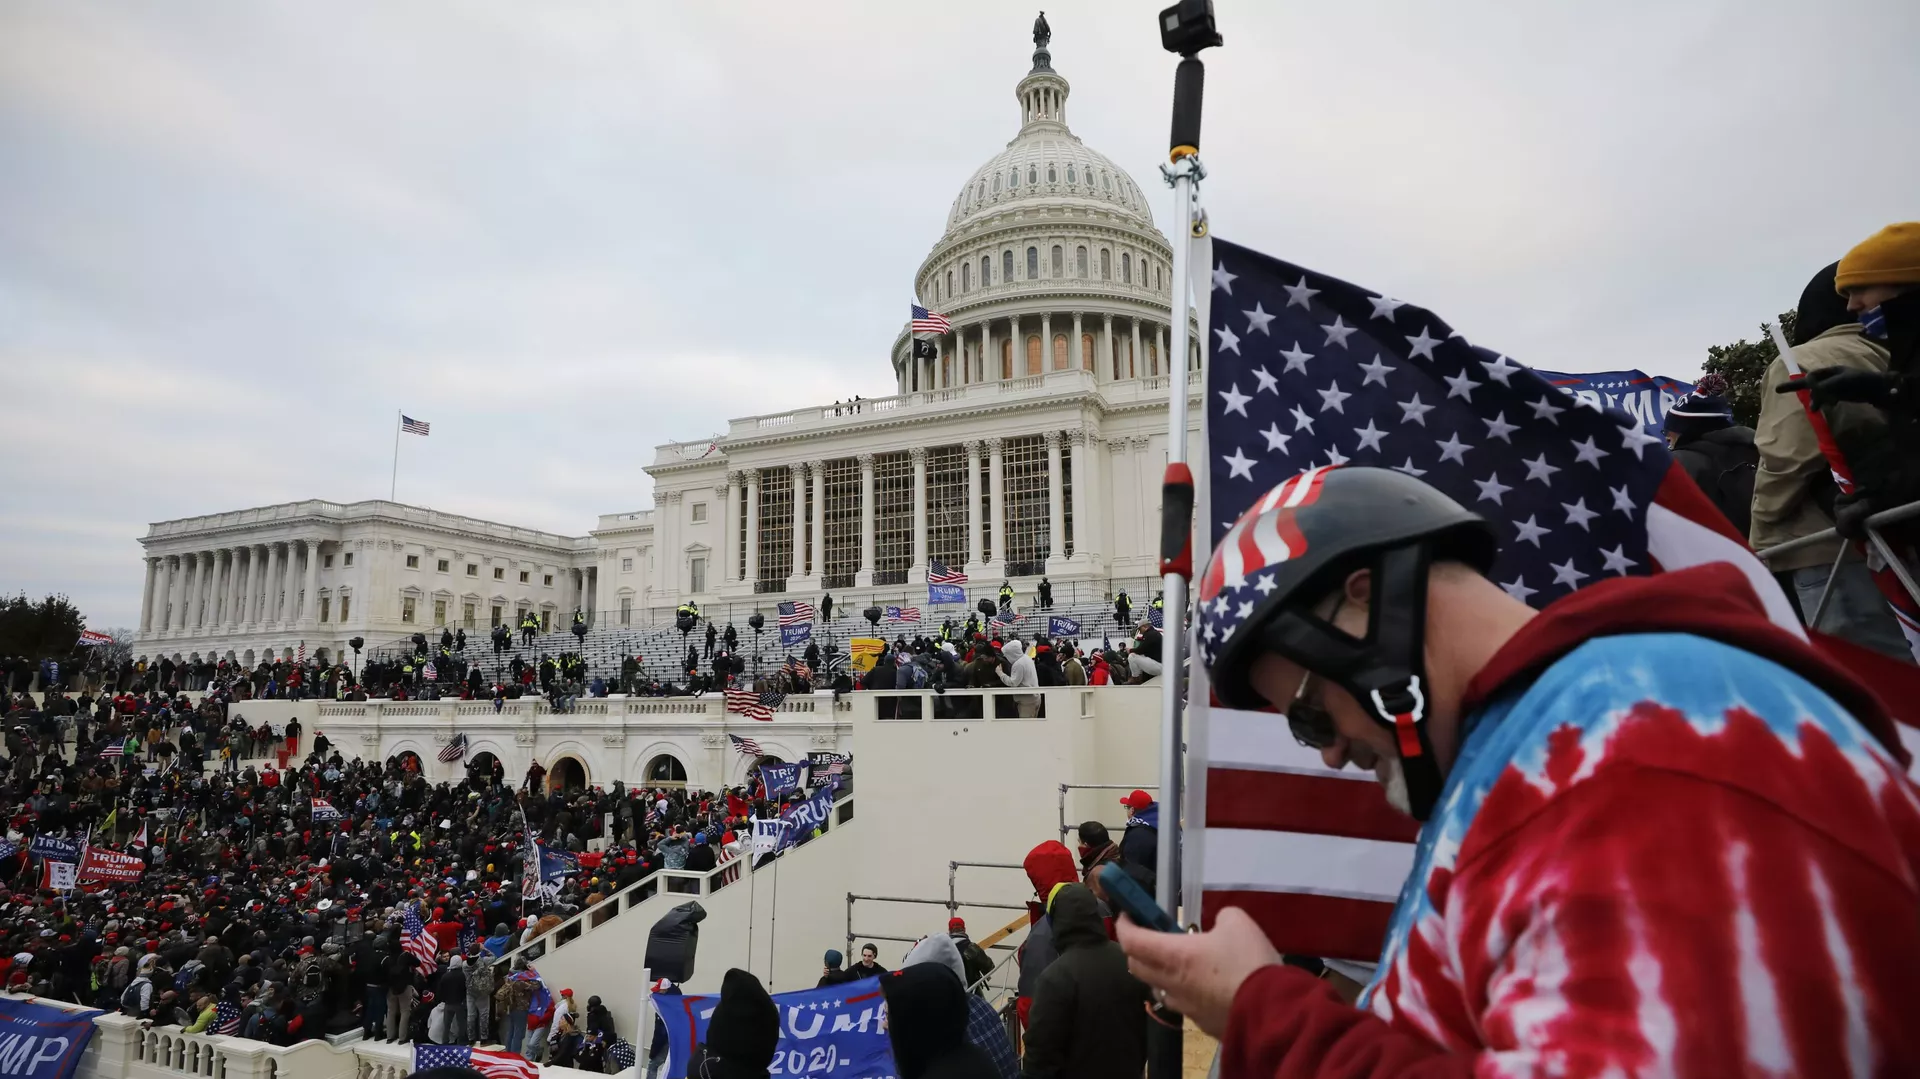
807 816
838 1032
47 846
946 593
780 778
1644 397
40 1042
1061 626
792 635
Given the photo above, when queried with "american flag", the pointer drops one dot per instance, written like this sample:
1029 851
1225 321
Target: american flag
836 768
415 941
492 1063
114 749
773 698
456 749
1308 371
324 810
938 573
925 321
226 1018
747 747
903 614
796 613
412 426
997 623
747 703
300 659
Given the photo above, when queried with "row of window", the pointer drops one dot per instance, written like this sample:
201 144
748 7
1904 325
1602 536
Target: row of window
1151 271
1091 180
410 609
473 570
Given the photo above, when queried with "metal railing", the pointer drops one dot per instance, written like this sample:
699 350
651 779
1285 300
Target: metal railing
1065 787
1877 546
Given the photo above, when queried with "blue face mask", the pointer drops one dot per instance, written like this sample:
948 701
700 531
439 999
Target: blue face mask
1873 323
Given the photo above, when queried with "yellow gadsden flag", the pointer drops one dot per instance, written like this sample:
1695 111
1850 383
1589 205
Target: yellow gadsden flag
862 651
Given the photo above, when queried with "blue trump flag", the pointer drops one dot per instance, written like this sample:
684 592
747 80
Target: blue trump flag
792 635
806 816
1062 626
938 594
838 1032
39 1042
47 846
1644 397
780 778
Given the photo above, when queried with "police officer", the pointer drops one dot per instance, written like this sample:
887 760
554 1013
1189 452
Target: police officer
1006 598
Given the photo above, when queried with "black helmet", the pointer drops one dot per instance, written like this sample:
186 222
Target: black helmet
1298 542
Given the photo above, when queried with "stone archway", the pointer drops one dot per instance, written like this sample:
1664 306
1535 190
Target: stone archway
567 773
409 761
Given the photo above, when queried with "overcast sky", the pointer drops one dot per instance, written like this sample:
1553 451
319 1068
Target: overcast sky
235 237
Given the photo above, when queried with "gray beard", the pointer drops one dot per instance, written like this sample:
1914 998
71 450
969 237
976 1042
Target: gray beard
1394 782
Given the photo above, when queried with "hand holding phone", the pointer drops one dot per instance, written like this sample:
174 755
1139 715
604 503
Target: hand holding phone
1126 893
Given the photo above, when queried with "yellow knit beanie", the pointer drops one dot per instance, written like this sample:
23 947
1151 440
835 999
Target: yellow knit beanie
1888 257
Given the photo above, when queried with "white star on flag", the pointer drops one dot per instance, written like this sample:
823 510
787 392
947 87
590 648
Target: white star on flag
1257 320
1229 342
1240 463
1300 293
1385 306
1578 513
1223 280
1422 345
1268 383
1236 401
1338 333
1377 371
1297 358
1529 531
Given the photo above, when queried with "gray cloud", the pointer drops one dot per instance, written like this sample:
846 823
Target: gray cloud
236 238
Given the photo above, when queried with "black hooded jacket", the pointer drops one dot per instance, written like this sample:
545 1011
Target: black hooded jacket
1089 1014
743 1034
927 1025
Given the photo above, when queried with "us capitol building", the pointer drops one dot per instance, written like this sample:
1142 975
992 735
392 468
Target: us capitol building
1028 440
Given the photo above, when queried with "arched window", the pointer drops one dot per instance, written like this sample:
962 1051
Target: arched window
1053 176
1033 263
1034 356
1153 357
1013 177
1126 268
1080 261
1033 175
949 284
1156 277
1086 351
1062 358
980 190
966 277
996 184
1106 182
1106 265
986 270
1059 261
1006 266
1071 176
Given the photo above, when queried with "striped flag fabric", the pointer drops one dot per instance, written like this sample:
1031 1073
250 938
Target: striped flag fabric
746 747
796 613
113 749
925 321
324 810
300 658
455 750
415 941
412 426
903 614
938 573
91 637
746 702
226 1018
492 1063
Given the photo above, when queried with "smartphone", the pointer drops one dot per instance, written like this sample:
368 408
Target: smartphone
1132 899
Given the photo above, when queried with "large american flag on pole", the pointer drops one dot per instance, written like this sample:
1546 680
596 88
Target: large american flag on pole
748 703
925 321
412 426
796 613
938 573
746 747
415 941
1306 370
903 614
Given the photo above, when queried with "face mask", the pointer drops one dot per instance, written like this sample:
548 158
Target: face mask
1873 323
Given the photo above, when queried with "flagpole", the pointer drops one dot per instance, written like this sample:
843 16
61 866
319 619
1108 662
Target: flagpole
393 484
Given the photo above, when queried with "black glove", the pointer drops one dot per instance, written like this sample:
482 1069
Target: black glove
1850 513
1832 385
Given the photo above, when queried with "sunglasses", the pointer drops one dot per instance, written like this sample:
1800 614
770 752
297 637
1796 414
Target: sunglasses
1307 716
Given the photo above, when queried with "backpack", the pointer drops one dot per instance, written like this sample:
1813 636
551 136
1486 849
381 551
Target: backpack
914 676
188 972
130 999
1727 472
398 967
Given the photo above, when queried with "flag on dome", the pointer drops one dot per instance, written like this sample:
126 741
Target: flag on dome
925 321
1307 372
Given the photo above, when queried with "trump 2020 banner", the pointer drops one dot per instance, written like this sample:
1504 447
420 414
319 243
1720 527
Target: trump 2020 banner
806 816
39 1042
1061 626
780 778
1644 397
48 846
839 1032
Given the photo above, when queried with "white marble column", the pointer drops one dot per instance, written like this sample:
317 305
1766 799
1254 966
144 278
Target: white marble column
146 595
1074 348
1138 358
1046 347
1056 503
250 593
217 604
817 530
1106 367
196 575
797 571
1016 352
863 577
174 609
997 503
917 573
753 525
309 604
986 348
275 567
973 504
1078 457
730 521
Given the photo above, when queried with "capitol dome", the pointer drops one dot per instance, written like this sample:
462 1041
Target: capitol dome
1050 261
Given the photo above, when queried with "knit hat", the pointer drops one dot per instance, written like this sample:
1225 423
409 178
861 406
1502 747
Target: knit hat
1705 409
1888 257
834 959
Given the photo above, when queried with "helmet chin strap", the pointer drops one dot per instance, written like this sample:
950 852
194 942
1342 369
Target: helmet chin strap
1386 671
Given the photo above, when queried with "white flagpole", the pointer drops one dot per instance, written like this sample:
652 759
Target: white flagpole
393 485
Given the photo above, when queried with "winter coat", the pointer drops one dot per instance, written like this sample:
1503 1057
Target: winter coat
1050 866
1089 1014
927 1026
1793 489
1722 463
1020 672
